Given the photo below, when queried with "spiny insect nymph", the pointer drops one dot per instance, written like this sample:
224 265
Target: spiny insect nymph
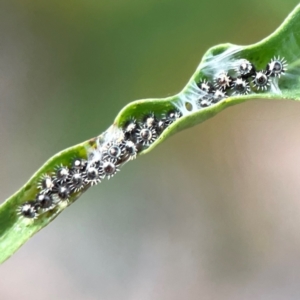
218 96
261 80
109 168
172 116
46 183
44 202
222 81
62 193
28 210
76 182
114 150
240 87
205 101
79 164
130 128
150 120
277 67
205 86
61 174
93 175
161 125
131 149
146 136
245 68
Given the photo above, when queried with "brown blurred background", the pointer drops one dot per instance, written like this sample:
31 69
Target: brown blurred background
213 213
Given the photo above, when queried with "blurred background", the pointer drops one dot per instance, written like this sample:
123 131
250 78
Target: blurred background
213 213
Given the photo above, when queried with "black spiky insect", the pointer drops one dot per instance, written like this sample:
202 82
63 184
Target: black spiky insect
245 68
150 120
222 81
130 128
261 80
76 181
205 86
218 95
277 67
108 168
61 174
240 87
79 164
113 150
161 125
93 175
130 149
44 202
28 210
172 115
62 193
146 135
205 100
45 184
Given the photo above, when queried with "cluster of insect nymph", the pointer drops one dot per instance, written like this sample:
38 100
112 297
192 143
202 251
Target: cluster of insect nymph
246 79
114 148
57 187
